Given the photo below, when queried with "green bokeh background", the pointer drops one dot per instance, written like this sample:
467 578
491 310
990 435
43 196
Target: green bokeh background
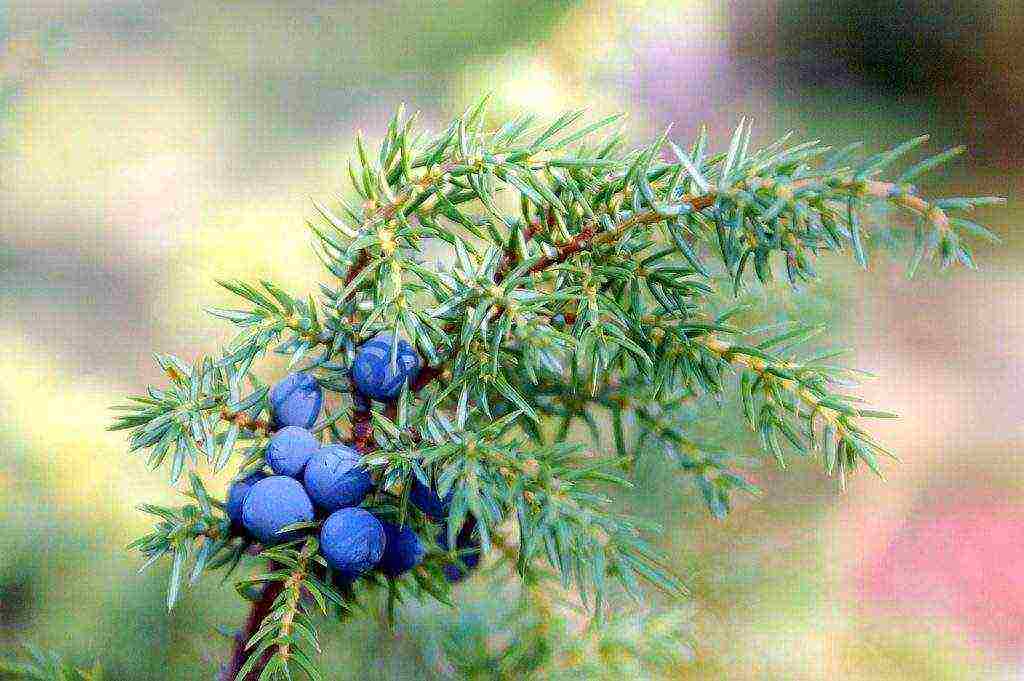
149 147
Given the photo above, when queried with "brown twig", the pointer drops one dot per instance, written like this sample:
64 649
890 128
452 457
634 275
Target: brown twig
361 261
386 211
362 422
590 236
243 420
259 610
510 255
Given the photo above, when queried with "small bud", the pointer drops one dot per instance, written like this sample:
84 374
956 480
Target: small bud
388 245
938 217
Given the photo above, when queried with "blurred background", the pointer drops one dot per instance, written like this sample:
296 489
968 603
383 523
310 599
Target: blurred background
149 147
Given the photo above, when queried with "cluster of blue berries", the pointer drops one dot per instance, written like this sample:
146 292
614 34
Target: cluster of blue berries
311 480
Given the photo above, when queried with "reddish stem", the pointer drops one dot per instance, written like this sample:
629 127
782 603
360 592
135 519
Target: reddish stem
426 375
259 610
590 235
361 261
510 255
362 423
245 421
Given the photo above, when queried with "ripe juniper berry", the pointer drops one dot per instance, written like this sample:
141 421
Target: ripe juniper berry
427 500
467 547
296 401
274 503
352 540
335 478
402 550
237 493
373 372
290 449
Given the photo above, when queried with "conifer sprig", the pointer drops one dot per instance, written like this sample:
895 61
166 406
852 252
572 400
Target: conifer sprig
549 276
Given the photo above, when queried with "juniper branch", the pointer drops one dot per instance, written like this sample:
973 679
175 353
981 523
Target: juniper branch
597 294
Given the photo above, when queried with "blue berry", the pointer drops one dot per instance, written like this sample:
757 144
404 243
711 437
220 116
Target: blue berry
468 548
237 493
335 478
352 540
296 401
290 449
274 503
373 372
427 500
402 550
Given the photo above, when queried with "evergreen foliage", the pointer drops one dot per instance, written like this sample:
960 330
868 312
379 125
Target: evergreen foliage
547 275
45 666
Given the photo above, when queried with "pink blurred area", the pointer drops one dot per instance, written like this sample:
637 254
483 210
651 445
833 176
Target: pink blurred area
940 545
696 72
956 559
